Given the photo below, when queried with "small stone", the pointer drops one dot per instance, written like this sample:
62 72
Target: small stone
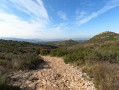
15 79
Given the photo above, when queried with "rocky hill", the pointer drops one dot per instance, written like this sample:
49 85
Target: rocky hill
105 36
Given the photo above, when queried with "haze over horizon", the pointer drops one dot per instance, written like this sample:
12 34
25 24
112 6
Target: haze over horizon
50 19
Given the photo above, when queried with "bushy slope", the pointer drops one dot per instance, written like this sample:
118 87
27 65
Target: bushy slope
105 36
98 57
15 56
99 40
67 42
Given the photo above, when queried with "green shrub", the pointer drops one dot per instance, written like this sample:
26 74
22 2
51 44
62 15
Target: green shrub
94 55
117 59
9 56
67 59
92 59
38 51
61 52
24 61
53 52
58 52
17 56
4 82
27 61
44 52
3 78
2 56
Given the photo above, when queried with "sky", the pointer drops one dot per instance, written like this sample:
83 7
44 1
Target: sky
58 19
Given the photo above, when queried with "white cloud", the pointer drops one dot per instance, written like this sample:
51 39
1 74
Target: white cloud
31 7
62 15
82 14
57 28
39 25
14 26
110 5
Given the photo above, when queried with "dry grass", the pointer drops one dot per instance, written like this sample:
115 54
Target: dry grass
106 75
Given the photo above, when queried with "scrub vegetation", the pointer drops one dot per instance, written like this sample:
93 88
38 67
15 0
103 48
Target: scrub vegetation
15 56
98 57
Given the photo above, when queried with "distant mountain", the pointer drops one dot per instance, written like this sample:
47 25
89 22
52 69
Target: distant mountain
50 41
20 39
81 40
67 42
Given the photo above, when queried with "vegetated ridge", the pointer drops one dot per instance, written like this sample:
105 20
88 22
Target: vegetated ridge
105 36
66 42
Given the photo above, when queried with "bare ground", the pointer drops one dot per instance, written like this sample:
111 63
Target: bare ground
53 74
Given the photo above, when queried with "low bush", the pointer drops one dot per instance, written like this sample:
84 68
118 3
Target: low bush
53 52
92 59
44 52
37 51
103 76
3 78
4 82
58 52
17 56
25 61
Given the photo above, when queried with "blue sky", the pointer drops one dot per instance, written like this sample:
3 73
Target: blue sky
58 19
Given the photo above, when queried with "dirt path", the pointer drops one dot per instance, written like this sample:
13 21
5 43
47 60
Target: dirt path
54 74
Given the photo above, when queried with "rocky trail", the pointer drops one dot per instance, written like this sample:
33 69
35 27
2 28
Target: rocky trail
53 74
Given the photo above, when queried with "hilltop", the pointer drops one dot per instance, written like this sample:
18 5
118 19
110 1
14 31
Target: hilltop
67 42
105 36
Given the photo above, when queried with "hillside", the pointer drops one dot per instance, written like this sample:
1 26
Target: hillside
67 42
98 57
105 36
21 67
15 56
